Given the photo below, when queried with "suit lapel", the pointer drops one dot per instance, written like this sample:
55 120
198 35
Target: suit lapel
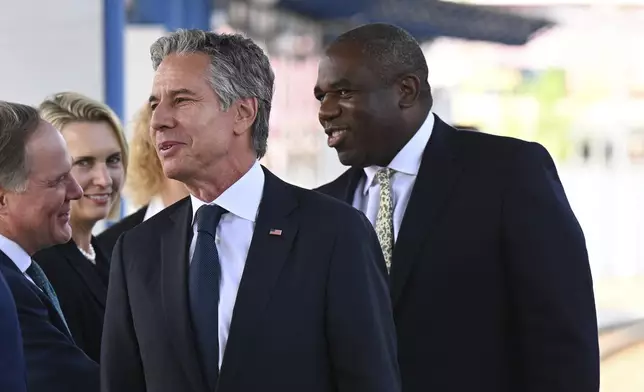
437 175
266 257
175 241
344 187
54 316
88 273
354 175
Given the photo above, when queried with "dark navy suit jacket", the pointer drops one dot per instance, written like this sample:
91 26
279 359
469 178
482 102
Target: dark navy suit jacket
13 376
107 239
54 362
312 312
490 280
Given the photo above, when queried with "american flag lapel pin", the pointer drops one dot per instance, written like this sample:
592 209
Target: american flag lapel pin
277 232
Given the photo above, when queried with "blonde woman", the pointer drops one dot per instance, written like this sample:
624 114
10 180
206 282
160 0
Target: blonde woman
79 270
147 186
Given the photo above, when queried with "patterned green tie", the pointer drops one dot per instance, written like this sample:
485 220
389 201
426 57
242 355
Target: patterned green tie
385 218
40 279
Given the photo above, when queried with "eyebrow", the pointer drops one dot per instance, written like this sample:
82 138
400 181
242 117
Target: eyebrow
56 177
89 157
340 84
173 93
83 158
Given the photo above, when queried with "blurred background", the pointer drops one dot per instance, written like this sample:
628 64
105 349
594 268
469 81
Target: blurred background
567 74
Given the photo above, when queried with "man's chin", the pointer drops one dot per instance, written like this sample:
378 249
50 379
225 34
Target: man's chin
349 158
63 235
174 172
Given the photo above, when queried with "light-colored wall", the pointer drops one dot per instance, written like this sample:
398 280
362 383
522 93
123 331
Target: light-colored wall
138 67
608 205
50 46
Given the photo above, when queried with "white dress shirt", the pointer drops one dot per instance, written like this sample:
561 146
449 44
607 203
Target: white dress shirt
154 207
233 238
18 255
405 165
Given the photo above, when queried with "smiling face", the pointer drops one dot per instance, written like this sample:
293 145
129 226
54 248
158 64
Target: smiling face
97 165
358 111
39 217
188 127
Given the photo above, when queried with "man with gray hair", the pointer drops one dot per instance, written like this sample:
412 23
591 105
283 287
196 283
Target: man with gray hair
249 284
36 189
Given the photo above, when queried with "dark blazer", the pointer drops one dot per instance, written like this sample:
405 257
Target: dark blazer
107 239
81 288
312 312
490 279
54 362
13 374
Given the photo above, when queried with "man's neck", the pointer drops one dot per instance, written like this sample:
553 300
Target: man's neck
218 180
172 192
9 234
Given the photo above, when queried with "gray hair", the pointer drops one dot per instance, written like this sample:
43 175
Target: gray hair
239 69
17 124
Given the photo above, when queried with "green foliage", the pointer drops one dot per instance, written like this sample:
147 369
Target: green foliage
548 88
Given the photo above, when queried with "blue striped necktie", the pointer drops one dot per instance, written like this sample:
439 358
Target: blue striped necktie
40 279
204 278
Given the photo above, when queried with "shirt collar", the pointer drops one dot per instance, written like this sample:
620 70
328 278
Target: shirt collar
408 159
15 252
154 207
242 198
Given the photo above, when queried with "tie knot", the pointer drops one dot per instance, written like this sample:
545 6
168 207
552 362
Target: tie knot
384 175
208 217
36 273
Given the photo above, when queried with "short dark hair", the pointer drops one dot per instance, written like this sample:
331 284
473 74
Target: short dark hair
17 124
392 50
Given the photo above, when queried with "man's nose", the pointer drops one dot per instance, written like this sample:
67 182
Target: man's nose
161 117
329 110
74 191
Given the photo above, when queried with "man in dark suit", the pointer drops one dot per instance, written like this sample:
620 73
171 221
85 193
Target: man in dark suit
250 284
35 192
489 274
13 375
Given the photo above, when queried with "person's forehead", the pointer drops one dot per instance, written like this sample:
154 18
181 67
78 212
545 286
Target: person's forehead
346 62
91 138
181 69
47 151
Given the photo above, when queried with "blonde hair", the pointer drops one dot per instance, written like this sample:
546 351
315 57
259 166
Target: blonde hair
146 177
65 108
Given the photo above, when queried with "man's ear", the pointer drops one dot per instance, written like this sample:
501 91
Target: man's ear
409 90
3 199
245 115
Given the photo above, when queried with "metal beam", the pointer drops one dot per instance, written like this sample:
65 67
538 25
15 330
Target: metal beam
173 14
114 21
113 55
